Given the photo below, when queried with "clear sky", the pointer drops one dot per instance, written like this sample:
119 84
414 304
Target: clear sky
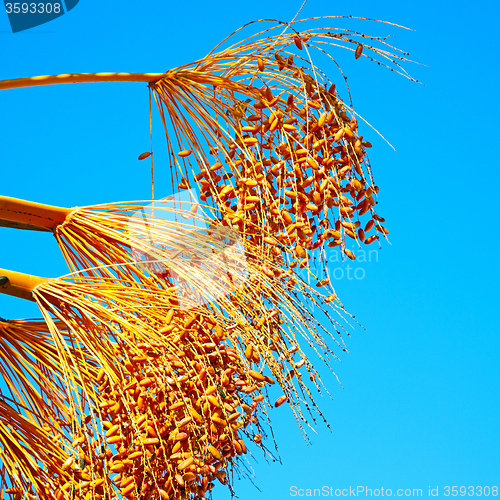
419 405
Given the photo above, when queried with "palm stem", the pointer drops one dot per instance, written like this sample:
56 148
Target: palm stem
19 285
37 81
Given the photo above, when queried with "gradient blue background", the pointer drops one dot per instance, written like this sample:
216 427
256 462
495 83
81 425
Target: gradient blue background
420 403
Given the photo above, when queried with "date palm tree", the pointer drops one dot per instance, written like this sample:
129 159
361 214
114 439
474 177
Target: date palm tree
152 368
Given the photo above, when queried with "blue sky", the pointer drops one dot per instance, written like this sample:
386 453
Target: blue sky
419 405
